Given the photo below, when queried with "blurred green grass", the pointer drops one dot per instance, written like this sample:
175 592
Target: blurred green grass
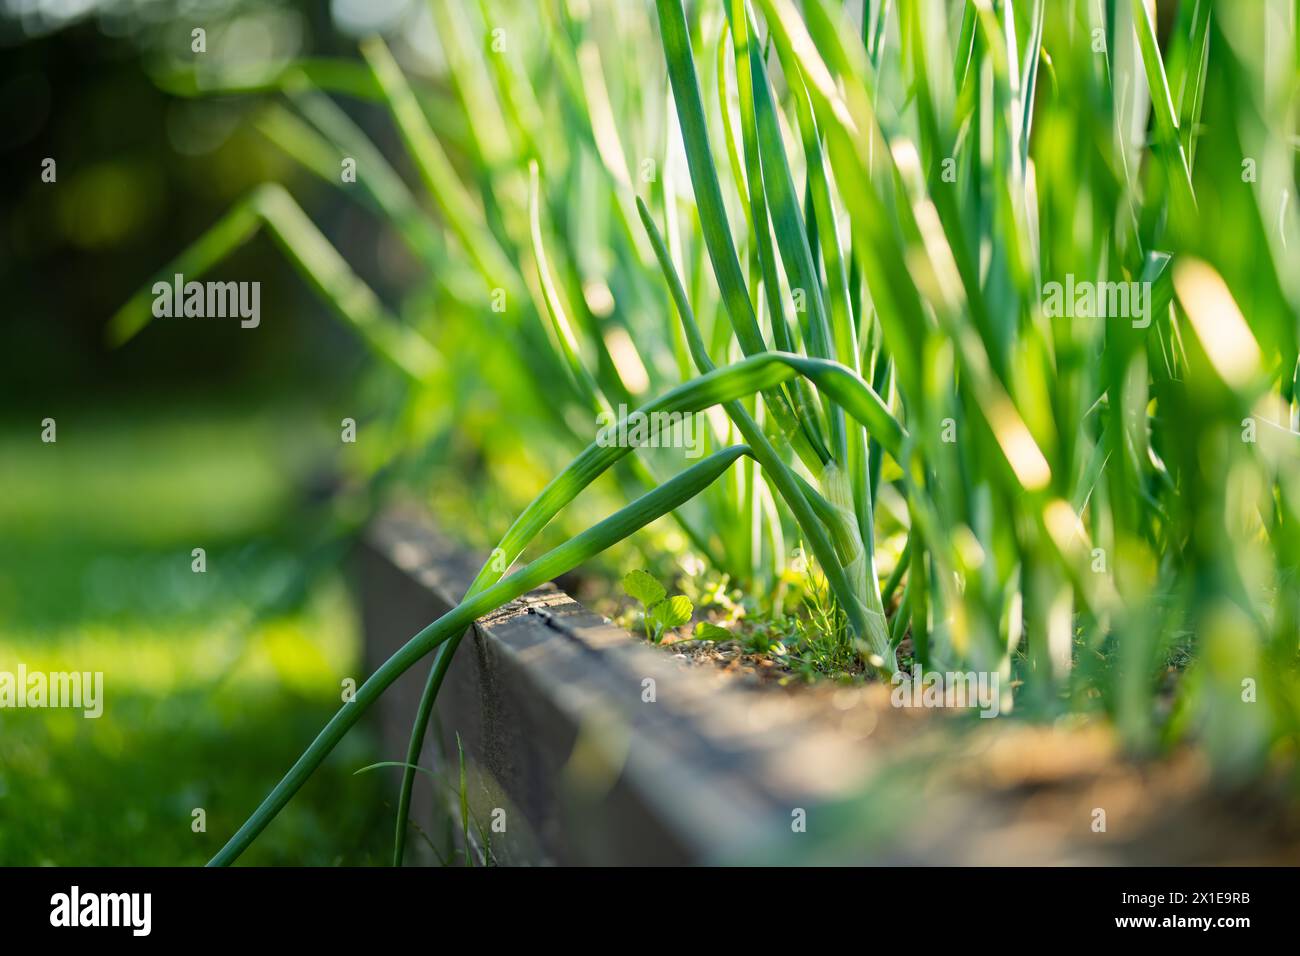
211 681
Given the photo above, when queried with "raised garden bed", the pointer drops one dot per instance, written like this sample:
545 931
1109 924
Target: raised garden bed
553 709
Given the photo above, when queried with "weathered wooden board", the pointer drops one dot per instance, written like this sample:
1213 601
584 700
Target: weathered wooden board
561 735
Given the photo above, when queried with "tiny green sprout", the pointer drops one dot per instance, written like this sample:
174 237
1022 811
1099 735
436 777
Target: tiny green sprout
661 613
672 613
642 586
708 631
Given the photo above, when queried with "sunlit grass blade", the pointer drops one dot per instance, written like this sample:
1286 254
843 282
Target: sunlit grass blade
1172 152
317 261
555 308
1192 88
713 217
787 221
800 396
335 75
377 177
437 172
850 148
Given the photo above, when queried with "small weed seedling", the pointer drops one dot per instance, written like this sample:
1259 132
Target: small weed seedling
660 613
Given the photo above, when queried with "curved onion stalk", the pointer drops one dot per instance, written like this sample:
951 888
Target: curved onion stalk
671 494
719 386
857 596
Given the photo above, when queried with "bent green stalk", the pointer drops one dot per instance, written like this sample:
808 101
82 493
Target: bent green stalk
671 494
719 386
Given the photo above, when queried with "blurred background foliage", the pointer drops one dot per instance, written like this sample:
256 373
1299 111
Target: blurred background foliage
194 436
202 434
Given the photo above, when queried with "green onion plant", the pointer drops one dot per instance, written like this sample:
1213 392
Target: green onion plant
990 304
